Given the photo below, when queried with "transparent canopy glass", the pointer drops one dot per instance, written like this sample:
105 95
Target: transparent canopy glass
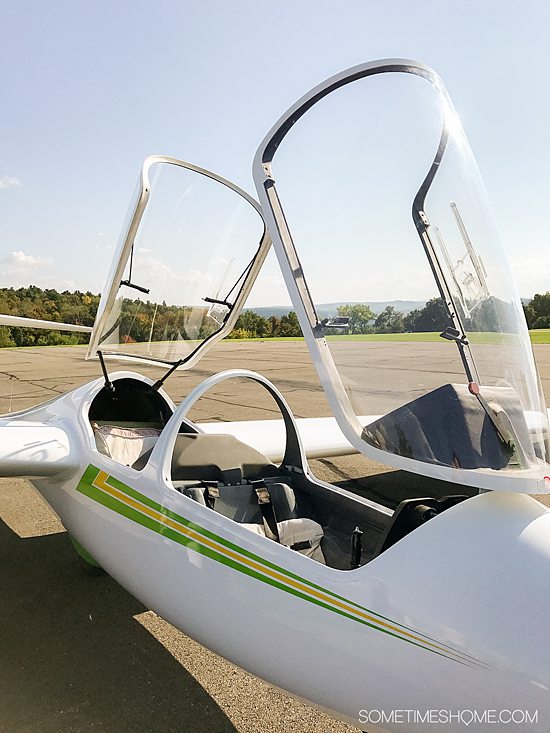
188 256
389 248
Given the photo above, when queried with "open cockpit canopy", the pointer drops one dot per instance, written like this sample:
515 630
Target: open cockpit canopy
388 247
190 251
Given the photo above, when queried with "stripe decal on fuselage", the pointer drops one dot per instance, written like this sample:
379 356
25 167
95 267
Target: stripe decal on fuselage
126 501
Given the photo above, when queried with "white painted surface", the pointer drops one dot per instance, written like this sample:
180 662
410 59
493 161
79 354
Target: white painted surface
472 580
34 450
6 320
321 436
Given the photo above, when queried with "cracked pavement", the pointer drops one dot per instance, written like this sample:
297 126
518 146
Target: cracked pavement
80 654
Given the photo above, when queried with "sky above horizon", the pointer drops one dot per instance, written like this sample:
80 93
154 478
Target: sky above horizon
90 89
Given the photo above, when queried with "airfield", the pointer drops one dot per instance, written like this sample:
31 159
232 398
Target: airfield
78 653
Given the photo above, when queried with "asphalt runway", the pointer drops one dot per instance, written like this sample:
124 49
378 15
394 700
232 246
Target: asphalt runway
78 653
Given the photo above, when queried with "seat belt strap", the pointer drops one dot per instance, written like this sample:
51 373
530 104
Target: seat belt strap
266 508
211 493
305 545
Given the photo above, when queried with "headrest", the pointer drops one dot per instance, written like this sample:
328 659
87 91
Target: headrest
216 457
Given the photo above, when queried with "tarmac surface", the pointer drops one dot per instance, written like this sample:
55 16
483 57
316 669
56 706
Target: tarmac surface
78 653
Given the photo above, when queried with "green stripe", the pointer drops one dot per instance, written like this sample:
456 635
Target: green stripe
90 476
85 487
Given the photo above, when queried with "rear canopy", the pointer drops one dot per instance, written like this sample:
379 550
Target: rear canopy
189 253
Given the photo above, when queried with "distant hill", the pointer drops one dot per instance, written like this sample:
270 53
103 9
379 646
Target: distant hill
327 310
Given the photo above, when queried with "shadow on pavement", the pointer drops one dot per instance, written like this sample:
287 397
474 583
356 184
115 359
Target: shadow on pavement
73 658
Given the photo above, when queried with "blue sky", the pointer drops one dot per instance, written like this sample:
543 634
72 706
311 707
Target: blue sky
90 89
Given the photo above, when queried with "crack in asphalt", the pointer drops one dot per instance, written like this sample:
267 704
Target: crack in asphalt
40 385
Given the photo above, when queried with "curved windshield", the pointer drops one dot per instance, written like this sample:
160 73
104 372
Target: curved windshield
188 256
399 279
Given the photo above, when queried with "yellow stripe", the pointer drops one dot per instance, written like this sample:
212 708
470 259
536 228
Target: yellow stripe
101 482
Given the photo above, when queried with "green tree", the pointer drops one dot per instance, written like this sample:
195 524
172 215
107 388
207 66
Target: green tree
389 321
359 316
273 324
50 305
537 311
289 326
530 315
6 337
240 333
253 323
493 315
433 317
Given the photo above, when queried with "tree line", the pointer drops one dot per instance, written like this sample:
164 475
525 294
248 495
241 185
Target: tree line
139 320
143 320
361 320
433 317
48 305
251 325
489 315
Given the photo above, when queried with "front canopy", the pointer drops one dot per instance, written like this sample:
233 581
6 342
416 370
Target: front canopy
188 256
388 247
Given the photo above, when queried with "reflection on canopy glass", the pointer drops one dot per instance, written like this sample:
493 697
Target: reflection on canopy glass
411 309
184 267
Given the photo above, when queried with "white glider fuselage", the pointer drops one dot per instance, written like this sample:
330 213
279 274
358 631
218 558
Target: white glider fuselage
446 619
